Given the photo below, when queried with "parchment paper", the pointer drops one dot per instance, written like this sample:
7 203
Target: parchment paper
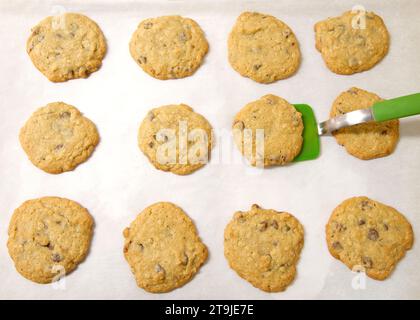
118 182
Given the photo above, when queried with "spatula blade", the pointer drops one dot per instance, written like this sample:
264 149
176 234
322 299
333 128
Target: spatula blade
311 144
345 120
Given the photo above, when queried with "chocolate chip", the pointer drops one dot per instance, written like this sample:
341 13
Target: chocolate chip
283 268
339 28
56 257
367 262
340 111
365 205
142 59
263 226
141 247
83 71
163 137
257 66
274 224
269 101
151 144
47 244
65 115
185 259
58 147
340 227
361 222
240 217
148 25
373 235
384 132
386 227
86 44
285 228
183 37
337 245
159 269
73 27
239 125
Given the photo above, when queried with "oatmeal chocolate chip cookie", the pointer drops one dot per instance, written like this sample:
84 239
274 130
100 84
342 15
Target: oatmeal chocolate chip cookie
65 47
58 138
175 138
367 140
281 126
263 247
368 235
353 42
162 248
49 237
168 47
263 48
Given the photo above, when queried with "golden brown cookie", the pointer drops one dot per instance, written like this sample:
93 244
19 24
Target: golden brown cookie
58 138
353 42
367 140
280 125
162 248
176 139
65 47
168 47
49 237
263 48
263 247
368 235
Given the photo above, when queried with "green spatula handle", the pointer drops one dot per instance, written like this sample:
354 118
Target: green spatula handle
397 108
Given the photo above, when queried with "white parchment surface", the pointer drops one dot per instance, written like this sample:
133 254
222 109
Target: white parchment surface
118 182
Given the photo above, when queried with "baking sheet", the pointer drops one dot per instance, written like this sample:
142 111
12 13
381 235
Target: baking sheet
118 182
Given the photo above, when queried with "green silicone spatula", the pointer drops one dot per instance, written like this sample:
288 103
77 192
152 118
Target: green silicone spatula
381 111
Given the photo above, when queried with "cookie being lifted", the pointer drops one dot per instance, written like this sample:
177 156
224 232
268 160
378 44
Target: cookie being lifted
353 42
263 247
58 138
162 248
168 47
175 138
367 140
268 132
263 48
67 46
369 236
49 237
